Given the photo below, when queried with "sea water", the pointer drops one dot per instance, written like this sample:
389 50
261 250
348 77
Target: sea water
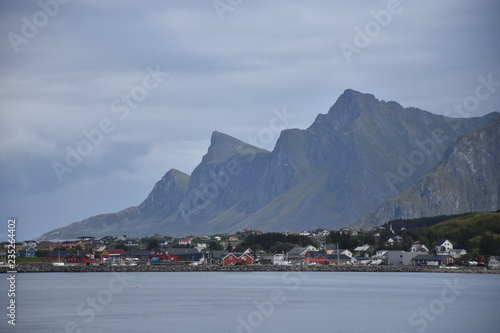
334 302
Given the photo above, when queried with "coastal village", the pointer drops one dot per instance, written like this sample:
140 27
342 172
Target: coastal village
380 246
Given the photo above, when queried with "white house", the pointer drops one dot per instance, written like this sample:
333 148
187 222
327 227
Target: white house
381 254
401 257
494 262
443 247
345 252
417 247
457 253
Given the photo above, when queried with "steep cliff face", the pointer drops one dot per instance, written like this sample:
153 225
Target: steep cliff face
346 164
142 220
466 180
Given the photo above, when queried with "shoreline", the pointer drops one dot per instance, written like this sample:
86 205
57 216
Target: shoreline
48 268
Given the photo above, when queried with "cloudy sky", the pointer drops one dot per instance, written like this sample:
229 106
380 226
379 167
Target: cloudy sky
149 81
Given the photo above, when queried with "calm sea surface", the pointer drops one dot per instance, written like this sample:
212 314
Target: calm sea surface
253 302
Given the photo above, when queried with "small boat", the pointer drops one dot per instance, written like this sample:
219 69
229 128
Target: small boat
59 264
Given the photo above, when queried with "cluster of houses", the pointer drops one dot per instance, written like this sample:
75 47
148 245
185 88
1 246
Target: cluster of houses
97 253
25 249
191 256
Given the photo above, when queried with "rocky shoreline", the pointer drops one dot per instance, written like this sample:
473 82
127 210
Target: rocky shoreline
176 267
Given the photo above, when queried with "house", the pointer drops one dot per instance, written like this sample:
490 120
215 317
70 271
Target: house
280 259
237 259
346 231
494 262
401 257
184 241
363 250
86 259
323 258
417 247
132 242
443 246
381 254
457 253
200 246
233 239
66 245
215 257
362 260
112 253
163 241
143 255
398 238
183 254
389 241
57 255
31 243
329 248
433 260
27 251
296 254
344 252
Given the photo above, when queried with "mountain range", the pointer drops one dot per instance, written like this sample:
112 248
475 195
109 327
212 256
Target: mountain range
363 163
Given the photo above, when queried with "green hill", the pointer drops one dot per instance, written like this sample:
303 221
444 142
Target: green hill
471 231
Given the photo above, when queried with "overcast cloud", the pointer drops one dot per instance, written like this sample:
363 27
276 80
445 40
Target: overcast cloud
228 73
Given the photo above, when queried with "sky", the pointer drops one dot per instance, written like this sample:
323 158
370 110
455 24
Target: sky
99 99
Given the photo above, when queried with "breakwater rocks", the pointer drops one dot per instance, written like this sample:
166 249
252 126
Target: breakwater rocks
181 267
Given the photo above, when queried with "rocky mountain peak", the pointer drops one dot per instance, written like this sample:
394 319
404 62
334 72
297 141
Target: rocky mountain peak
223 146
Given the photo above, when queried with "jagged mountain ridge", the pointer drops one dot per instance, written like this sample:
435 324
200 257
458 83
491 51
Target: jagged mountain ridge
466 180
328 175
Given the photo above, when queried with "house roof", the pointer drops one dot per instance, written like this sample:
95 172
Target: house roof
299 251
137 253
441 242
26 248
178 251
334 257
115 251
363 247
218 253
238 254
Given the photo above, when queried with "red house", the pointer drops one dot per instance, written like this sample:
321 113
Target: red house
161 255
80 259
237 259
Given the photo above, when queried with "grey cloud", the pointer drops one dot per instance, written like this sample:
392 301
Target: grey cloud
230 74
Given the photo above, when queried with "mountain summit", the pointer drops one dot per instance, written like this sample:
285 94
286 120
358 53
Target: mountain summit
348 163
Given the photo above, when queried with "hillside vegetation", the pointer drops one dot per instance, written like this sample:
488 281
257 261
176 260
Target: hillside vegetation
475 232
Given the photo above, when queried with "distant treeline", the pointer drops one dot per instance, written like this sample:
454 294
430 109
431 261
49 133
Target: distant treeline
420 222
274 242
